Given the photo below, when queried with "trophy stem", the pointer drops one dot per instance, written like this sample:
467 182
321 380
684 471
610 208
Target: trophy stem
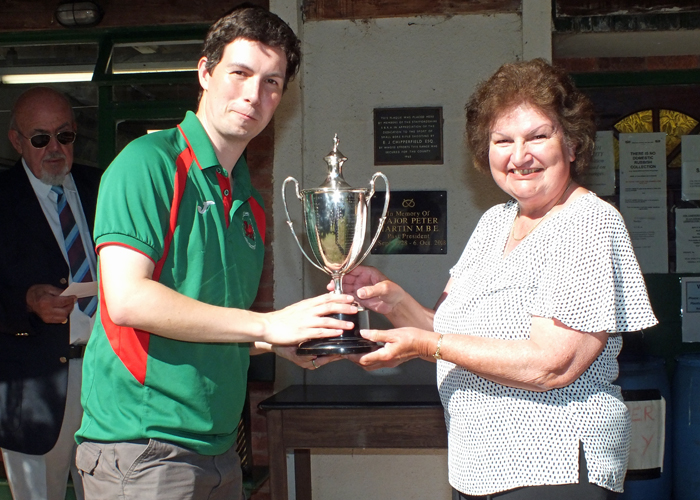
337 283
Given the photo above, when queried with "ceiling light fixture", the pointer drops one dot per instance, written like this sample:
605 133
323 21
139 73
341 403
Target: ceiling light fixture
78 14
44 75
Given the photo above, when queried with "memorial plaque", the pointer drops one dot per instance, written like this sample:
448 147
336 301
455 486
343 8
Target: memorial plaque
416 222
410 136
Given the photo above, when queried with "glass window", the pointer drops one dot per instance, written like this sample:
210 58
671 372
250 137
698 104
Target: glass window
45 63
156 57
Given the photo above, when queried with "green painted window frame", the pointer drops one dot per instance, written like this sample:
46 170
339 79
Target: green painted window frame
109 111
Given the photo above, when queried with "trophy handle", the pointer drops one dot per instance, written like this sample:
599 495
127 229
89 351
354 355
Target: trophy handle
381 219
289 220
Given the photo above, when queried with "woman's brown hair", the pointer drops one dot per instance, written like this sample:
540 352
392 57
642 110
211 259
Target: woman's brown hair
544 87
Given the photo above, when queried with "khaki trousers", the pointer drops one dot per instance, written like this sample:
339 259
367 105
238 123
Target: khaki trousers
151 469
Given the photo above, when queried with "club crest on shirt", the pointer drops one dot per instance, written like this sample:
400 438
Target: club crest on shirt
249 230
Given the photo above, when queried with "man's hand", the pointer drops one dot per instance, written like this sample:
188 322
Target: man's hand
46 302
308 319
308 362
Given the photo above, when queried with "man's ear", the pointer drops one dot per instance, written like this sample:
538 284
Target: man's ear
203 73
14 137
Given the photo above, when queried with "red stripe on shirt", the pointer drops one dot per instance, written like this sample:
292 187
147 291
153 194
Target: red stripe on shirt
259 215
130 345
183 163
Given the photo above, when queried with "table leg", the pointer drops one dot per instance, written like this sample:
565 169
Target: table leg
302 473
277 456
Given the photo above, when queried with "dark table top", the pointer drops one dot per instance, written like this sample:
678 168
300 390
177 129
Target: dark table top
353 396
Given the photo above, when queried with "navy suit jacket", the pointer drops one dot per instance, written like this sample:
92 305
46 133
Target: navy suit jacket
33 354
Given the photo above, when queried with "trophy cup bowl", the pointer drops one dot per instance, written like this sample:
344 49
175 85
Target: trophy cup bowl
335 222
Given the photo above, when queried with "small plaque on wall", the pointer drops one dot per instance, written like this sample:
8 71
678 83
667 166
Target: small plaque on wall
416 222
408 136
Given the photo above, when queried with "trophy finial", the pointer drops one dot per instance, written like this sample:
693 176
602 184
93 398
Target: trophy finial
335 160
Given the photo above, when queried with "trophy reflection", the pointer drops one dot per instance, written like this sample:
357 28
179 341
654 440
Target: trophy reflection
335 219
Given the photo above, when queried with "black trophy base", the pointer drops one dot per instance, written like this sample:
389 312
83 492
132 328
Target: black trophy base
350 342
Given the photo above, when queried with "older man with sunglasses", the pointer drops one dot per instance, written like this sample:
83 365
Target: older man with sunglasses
47 209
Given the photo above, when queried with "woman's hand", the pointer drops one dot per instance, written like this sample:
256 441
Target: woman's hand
372 289
400 345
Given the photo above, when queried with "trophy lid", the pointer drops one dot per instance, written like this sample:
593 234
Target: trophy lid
335 160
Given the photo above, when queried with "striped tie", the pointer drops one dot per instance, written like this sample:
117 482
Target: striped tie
77 260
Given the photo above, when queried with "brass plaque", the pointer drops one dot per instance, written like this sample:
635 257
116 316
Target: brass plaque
416 222
408 136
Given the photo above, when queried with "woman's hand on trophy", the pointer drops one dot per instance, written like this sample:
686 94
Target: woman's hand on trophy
307 362
308 319
372 289
400 345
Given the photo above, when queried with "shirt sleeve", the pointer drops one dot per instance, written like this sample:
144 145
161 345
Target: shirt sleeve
591 280
135 195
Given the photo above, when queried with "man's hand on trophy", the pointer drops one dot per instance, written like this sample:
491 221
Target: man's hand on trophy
308 319
307 362
372 289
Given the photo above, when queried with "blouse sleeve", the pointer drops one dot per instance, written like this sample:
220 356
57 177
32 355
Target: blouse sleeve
591 280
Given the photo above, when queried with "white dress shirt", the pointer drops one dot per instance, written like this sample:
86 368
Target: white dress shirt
80 323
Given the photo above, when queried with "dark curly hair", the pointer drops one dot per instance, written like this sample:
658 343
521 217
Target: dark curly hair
542 86
257 24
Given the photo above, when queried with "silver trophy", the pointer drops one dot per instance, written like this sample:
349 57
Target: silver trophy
335 223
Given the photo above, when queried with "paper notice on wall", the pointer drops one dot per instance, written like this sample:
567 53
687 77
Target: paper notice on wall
647 434
643 197
688 240
600 176
690 309
649 235
690 167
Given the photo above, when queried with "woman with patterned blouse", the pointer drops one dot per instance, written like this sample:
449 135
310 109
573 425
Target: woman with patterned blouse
528 329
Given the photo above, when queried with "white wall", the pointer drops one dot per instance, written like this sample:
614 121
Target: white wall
350 68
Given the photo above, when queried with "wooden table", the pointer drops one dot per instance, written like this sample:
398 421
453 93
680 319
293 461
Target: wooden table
346 416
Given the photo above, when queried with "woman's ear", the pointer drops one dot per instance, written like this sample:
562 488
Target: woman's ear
571 151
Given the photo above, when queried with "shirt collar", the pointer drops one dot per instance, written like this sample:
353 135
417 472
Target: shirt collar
206 156
199 141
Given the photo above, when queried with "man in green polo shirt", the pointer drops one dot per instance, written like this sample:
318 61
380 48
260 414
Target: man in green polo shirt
179 232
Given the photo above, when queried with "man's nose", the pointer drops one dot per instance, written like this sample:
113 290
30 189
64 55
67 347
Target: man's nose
53 144
253 90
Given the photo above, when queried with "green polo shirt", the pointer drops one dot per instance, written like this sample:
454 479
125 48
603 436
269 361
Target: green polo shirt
138 385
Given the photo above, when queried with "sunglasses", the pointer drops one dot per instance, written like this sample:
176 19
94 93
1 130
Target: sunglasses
40 141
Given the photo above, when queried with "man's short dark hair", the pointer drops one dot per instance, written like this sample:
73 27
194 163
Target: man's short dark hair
257 24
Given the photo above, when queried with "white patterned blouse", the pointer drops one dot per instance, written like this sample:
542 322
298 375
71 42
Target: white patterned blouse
578 267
